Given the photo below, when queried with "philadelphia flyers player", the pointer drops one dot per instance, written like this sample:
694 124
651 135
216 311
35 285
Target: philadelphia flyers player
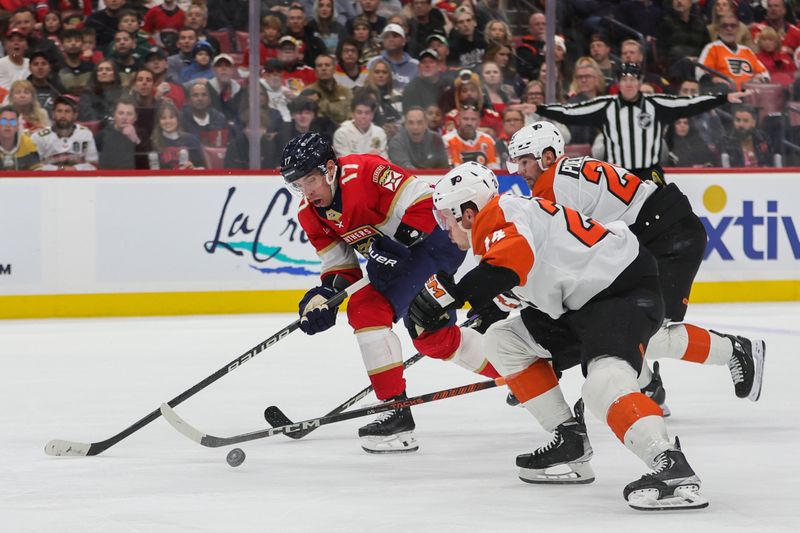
602 285
365 204
663 221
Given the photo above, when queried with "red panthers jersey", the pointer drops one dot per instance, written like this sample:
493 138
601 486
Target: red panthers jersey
373 197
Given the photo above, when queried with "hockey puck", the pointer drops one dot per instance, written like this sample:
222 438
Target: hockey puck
235 457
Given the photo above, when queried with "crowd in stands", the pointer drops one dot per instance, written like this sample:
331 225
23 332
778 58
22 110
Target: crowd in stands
138 84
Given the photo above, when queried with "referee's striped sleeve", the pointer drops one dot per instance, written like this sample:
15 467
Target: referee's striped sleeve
589 113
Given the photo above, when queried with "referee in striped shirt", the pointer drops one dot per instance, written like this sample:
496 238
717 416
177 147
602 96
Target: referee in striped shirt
633 123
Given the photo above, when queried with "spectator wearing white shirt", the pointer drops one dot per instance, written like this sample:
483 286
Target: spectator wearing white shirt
360 135
14 66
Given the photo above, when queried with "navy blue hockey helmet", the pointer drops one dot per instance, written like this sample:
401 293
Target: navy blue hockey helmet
303 154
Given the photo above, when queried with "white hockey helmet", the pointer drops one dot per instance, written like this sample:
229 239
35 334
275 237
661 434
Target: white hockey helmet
468 182
534 139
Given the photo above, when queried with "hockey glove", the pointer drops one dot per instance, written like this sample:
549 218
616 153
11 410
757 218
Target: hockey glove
487 315
385 258
315 316
429 308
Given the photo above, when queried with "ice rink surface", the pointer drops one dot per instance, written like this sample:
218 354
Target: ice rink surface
86 380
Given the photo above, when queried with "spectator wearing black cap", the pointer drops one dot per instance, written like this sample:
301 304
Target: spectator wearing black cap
66 145
44 80
75 73
200 67
426 88
632 123
156 62
426 20
14 66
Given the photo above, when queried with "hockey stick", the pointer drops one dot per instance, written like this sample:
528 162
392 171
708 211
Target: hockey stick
275 417
65 447
212 441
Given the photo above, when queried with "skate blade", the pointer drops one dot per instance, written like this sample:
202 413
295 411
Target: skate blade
566 474
759 348
399 443
665 411
687 497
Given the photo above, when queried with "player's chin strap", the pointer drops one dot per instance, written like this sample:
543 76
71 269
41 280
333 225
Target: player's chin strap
333 180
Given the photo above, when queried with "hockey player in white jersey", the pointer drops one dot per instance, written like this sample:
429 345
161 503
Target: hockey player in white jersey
67 145
663 221
603 286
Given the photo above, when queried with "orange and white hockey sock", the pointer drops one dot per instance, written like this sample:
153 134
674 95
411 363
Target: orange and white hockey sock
611 393
537 389
689 343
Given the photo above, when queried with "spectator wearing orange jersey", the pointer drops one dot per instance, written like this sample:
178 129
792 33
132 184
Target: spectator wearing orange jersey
735 61
466 143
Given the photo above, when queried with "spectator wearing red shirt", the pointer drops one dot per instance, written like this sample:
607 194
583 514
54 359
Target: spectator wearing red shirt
776 19
296 75
268 46
779 64
167 15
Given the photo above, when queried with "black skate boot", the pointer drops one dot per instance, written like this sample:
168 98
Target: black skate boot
672 485
512 400
746 366
655 390
391 432
569 447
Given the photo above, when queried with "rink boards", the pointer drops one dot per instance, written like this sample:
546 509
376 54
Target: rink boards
95 244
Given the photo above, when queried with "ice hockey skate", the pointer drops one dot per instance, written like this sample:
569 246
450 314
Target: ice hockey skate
391 432
747 366
655 390
564 460
673 485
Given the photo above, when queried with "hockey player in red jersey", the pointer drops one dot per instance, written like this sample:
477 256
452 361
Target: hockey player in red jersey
603 286
365 204
663 221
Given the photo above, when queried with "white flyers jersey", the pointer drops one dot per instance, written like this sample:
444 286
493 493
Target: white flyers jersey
563 258
75 149
599 190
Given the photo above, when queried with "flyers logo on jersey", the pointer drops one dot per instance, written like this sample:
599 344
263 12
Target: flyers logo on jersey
361 237
739 66
496 236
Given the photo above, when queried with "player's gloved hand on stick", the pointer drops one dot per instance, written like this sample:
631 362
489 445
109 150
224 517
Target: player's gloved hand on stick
314 315
385 257
429 308
487 315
